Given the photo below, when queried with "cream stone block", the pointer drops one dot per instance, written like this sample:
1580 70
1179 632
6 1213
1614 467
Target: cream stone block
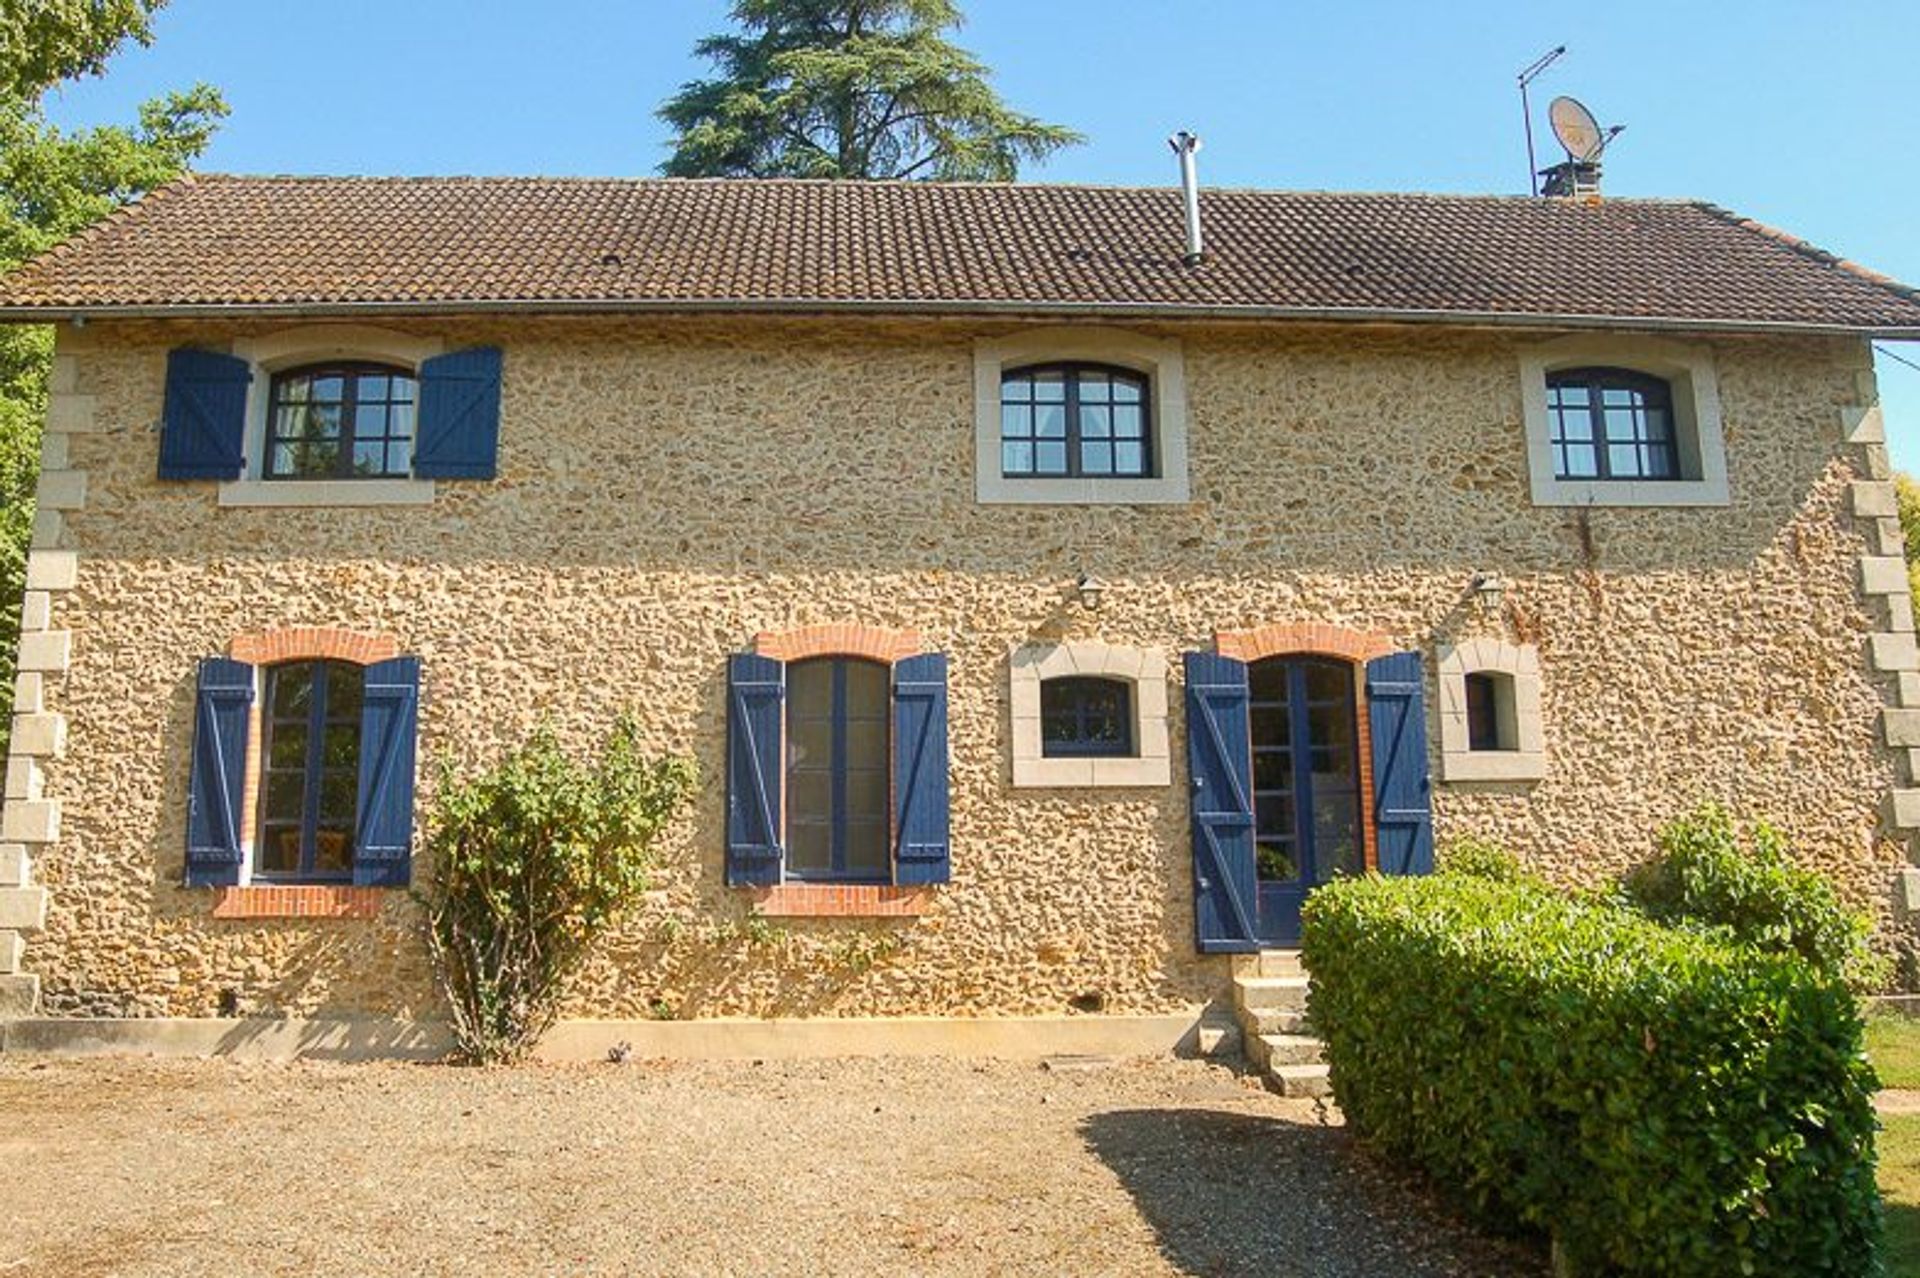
1026 739
1863 424
53 451
1883 575
1907 690
1893 652
23 909
1902 727
46 650
40 734
61 490
1493 765
36 610
71 414
1906 809
29 693
16 867
52 570
1877 461
1872 499
49 528
19 997
36 821
63 375
25 779
13 948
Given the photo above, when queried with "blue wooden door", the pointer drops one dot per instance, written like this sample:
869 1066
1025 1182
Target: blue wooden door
1306 785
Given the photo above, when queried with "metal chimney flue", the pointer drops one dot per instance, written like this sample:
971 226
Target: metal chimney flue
1186 145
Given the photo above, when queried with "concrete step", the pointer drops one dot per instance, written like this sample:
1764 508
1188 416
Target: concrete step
1258 993
1272 1051
1269 963
1274 1020
1300 1080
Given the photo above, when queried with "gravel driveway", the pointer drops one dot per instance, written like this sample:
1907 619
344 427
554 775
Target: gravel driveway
130 1167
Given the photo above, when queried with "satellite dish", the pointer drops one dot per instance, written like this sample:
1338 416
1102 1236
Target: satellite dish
1577 130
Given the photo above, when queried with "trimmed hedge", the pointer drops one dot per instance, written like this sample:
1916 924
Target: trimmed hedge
1661 1101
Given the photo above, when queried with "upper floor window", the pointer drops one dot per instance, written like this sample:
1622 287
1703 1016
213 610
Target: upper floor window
1070 421
1612 424
309 793
1085 718
341 421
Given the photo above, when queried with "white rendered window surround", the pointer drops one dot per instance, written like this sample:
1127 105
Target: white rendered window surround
313 344
1687 368
1144 669
1520 664
1165 368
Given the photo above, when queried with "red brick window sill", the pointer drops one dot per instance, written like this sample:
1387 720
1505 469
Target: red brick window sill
841 900
298 901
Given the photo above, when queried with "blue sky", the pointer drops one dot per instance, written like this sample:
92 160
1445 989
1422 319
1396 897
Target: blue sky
1785 110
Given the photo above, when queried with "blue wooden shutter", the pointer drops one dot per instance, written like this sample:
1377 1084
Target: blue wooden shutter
756 696
459 424
1220 767
921 842
1402 789
203 425
223 707
389 722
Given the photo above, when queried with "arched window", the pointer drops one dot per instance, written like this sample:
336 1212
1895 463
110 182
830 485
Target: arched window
1084 717
310 773
1611 423
341 421
839 769
1073 421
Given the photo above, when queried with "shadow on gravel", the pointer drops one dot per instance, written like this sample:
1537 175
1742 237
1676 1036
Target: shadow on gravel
1233 1194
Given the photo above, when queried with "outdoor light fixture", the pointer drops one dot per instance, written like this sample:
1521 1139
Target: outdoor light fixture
1090 589
1489 586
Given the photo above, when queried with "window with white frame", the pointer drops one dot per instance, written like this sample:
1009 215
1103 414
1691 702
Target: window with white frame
1089 714
1491 722
1079 416
1618 420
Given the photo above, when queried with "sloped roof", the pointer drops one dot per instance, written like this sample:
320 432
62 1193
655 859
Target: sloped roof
315 245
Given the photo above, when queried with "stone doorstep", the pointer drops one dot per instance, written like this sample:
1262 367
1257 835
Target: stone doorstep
1262 992
1302 1081
1274 1050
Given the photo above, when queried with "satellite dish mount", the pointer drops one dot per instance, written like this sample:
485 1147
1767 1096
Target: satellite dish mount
1584 141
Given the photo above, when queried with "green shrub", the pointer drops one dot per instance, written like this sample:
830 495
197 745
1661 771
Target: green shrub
532 860
1662 1101
1481 859
1705 878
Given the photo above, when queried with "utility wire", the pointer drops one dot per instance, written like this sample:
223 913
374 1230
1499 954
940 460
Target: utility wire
1898 359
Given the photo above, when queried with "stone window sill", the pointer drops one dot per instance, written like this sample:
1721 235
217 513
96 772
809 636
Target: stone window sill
298 901
326 492
841 900
1492 765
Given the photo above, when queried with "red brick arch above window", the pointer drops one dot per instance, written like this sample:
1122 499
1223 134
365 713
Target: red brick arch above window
1315 637
876 643
312 643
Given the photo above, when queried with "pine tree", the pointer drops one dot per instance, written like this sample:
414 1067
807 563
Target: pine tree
849 89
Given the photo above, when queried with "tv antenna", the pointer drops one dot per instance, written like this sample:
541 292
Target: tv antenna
1527 77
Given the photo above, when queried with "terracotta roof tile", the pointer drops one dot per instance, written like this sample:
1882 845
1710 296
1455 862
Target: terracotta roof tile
328 245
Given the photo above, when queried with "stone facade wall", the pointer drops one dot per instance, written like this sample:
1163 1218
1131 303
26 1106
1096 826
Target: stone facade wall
671 489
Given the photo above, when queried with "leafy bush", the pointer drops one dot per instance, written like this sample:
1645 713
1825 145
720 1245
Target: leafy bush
1662 1101
532 860
1705 878
1481 859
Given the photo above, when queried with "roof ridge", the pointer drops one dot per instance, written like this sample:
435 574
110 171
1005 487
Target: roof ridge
912 184
1808 249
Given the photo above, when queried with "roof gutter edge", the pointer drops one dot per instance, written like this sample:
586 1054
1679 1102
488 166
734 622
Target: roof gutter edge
35 314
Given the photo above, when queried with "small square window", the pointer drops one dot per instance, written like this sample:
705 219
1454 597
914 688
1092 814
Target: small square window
1085 718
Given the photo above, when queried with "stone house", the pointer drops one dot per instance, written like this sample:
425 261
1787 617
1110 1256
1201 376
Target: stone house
1046 611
